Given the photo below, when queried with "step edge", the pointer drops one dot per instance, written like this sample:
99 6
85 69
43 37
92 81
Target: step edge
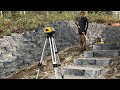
83 67
95 58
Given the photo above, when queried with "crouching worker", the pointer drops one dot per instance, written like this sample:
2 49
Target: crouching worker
82 24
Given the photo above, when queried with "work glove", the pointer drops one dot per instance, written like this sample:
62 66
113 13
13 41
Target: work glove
76 22
83 32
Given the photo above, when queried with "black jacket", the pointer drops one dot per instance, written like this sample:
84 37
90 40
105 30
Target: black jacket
82 22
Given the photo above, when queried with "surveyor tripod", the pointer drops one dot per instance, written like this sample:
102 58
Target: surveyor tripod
54 54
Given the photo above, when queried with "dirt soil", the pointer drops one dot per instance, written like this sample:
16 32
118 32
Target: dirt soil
66 58
114 70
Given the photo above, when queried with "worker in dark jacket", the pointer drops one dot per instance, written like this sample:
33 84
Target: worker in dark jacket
82 24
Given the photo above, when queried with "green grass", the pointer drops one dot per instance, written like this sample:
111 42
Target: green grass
29 21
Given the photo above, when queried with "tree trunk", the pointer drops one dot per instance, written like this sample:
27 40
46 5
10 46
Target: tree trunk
1 13
24 12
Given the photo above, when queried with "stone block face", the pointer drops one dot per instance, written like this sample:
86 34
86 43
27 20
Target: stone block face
93 61
78 61
104 47
75 72
88 54
106 53
90 73
101 53
89 62
97 47
103 62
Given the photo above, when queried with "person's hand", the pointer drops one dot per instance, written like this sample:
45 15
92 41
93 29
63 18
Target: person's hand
83 32
76 22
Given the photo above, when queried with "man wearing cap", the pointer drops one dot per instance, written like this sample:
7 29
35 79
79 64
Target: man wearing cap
82 24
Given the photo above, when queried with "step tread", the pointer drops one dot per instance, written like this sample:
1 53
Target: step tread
93 58
84 67
72 77
107 50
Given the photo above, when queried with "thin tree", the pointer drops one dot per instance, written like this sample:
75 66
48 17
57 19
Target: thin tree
1 13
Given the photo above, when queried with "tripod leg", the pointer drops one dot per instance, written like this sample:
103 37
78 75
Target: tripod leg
55 66
38 71
40 63
43 51
50 41
56 52
57 57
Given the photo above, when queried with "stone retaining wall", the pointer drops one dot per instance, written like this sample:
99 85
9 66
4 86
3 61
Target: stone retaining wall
21 50
110 34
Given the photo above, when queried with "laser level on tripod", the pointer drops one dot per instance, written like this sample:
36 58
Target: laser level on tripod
49 31
99 41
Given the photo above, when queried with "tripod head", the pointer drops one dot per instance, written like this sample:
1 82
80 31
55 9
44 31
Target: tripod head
48 30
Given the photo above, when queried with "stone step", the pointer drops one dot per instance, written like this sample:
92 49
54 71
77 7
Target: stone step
84 70
93 61
104 47
102 53
71 77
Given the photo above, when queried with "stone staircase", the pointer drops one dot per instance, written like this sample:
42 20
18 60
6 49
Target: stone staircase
92 64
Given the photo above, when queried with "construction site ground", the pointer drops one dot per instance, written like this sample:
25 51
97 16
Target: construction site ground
66 58
114 70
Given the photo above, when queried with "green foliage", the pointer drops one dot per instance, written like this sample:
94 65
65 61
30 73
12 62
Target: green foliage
101 12
15 21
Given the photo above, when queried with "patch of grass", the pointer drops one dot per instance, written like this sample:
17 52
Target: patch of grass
30 21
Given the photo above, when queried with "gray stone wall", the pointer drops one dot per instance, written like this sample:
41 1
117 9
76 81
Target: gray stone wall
21 50
110 34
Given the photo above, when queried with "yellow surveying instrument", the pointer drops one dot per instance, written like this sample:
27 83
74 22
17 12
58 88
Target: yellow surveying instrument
55 58
99 41
49 30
